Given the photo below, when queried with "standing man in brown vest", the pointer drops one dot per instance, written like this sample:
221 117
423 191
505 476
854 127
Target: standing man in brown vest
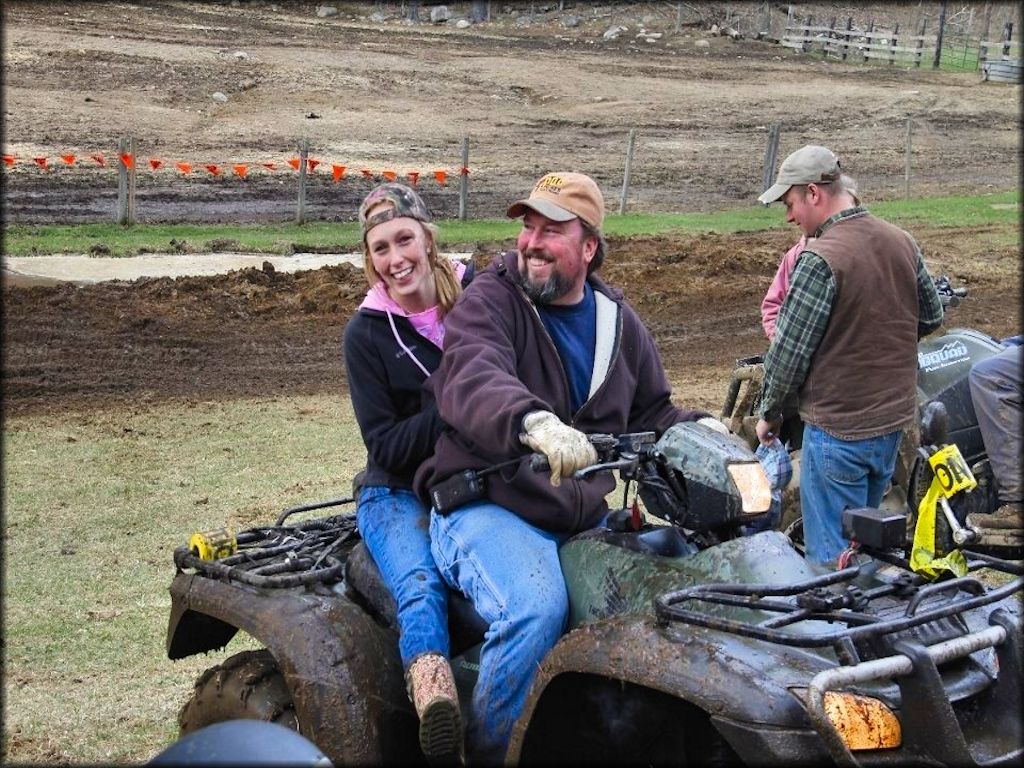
846 343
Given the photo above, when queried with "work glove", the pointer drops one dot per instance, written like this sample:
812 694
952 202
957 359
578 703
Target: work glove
715 424
566 449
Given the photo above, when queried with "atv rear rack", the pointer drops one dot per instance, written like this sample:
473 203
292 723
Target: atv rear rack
282 556
833 598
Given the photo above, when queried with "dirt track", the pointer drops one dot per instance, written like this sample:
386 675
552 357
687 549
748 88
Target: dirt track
532 97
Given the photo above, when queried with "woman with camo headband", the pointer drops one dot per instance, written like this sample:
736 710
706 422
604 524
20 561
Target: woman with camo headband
392 345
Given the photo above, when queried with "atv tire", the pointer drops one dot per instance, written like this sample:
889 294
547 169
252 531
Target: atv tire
246 686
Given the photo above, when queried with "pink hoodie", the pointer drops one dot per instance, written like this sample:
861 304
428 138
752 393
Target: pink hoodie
427 323
773 300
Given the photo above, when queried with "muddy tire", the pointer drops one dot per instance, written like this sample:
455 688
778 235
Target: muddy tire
247 686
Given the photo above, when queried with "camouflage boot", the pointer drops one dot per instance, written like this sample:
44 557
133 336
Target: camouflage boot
432 691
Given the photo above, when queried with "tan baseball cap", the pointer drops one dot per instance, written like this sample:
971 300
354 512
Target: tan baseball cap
808 165
564 196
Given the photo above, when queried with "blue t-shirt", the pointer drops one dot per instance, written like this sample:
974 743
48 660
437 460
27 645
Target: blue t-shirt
574 329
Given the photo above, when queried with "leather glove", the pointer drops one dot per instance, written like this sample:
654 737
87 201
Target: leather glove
715 424
567 449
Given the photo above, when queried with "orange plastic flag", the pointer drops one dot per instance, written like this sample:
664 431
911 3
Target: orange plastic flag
128 161
337 171
185 168
68 159
42 162
294 162
441 176
389 175
213 168
270 166
367 173
240 170
311 164
98 157
414 176
154 163
8 159
464 171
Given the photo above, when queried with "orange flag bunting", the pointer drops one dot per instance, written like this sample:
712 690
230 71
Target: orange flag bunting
337 171
389 175
414 176
270 166
98 157
185 168
241 169
68 159
367 173
294 162
154 163
213 168
41 162
441 177
129 161
312 164
8 159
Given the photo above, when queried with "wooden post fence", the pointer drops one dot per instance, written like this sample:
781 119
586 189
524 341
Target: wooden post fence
464 179
906 166
770 154
627 172
940 35
300 209
126 182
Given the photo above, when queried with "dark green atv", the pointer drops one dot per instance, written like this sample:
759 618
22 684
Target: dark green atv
688 644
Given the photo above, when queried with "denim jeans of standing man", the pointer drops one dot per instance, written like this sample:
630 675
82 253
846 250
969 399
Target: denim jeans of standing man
396 529
836 475
510 571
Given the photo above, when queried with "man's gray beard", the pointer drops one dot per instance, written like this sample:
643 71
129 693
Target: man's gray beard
552 289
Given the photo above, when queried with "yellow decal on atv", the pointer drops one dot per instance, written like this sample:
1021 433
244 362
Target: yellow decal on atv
923 556
951 471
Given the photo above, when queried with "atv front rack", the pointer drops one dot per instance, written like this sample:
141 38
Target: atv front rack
282 556
834 598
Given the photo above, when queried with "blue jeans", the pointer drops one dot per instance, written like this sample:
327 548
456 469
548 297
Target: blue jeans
836 475
510 571
396 529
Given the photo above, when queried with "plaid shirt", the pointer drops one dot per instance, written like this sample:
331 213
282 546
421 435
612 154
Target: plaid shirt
805 315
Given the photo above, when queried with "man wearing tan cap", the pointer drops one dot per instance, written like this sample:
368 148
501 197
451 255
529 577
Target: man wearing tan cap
538 353
846 344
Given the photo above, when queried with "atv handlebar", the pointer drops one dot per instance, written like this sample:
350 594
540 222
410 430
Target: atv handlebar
622 453
948 295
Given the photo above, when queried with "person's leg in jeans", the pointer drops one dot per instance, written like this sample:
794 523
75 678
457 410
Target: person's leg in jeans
996 392
396 529
839 474
510 571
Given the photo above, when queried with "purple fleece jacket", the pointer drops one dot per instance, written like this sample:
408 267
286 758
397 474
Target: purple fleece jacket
500 363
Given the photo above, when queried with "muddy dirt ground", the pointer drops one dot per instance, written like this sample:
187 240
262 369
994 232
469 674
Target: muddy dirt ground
531 92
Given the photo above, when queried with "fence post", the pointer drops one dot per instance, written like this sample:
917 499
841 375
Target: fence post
941 34
920 44
847 36
982 48
805 43
1007 34
906 168
126 182
628 170
464 179
300 209
830 40
679 17
893 40
770 153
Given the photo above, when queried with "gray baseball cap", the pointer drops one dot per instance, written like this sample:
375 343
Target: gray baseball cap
808 165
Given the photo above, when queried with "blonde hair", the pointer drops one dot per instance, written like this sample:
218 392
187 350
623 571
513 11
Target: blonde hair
446 281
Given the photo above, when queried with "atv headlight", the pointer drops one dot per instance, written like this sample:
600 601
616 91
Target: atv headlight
862 722
752 482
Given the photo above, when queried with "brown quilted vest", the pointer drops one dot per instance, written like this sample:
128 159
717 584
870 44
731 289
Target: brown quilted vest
863 377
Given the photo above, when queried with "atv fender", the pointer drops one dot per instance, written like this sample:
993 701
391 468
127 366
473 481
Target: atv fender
706 669
341 667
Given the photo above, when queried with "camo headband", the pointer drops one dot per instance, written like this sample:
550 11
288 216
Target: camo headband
404 202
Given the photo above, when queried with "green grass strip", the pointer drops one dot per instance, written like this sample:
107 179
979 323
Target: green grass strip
283 238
